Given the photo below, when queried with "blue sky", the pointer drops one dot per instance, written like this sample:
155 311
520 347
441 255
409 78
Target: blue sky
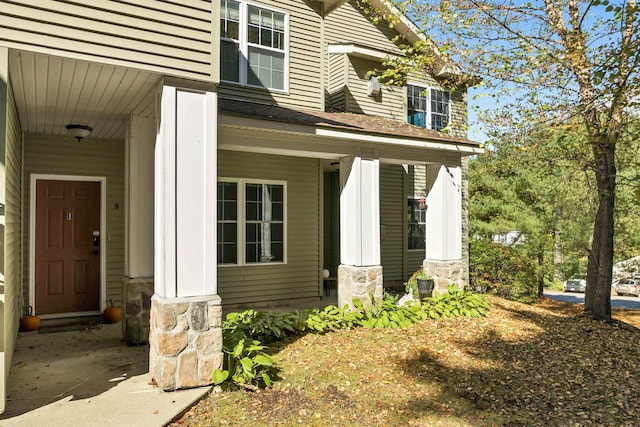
477 131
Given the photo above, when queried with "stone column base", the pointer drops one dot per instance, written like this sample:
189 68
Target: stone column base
185 341
363 283
137 305
445 273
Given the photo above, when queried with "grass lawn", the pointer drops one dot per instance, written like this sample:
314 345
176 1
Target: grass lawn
521 365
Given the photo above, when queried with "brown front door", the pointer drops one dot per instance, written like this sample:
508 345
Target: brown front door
67 264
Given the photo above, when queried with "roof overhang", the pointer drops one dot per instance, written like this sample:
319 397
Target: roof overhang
241 133
360 51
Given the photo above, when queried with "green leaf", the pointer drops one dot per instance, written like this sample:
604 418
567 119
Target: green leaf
267 379
239 348
263 360
247 367
220 376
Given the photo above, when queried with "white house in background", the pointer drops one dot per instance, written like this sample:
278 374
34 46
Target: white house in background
228 152
509 238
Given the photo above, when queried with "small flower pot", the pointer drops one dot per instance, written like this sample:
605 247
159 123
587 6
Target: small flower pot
425 288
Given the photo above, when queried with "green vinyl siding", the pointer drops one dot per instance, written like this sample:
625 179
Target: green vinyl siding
347 88
12 232
306 85
391 219
347 74
337 89
171 37
389 103
300 277
44 154
348 24
459 118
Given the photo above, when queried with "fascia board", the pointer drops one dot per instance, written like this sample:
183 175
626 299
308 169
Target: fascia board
342 135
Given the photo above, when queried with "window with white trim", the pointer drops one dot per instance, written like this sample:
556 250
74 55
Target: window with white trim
428 108
417 225
253 47
251 222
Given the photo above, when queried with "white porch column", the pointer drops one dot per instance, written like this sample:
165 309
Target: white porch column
185 192
186 335
138 265
360 272
139 146
443 254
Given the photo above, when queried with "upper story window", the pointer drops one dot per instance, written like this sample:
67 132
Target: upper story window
428 107
253 47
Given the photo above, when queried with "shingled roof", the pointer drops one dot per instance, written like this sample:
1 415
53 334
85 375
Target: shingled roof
357 123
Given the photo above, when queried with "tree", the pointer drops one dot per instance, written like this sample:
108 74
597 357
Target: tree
557 59
527 183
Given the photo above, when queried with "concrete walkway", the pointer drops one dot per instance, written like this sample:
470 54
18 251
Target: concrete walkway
90 377
87 378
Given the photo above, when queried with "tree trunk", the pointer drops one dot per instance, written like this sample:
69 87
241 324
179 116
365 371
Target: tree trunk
540 273
557 250
597 301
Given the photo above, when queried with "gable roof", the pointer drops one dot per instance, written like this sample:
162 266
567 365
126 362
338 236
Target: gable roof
407 29
348 122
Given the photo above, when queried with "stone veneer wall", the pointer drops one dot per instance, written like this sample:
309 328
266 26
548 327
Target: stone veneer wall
137 295
185 341
445 273
359 283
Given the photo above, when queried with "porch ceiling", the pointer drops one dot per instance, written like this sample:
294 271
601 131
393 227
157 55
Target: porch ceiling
51 92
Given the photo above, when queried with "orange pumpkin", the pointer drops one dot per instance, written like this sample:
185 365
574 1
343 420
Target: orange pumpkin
29 322
112 314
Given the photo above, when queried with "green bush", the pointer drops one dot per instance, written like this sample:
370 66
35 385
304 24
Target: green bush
267 326
247 364
509 272
455 303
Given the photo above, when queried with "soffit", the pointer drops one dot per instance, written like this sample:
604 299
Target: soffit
51 92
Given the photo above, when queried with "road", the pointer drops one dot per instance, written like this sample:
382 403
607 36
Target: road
578 298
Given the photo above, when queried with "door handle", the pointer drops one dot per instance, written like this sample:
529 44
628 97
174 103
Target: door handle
94 252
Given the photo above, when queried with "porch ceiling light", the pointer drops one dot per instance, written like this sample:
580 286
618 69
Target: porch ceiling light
79 131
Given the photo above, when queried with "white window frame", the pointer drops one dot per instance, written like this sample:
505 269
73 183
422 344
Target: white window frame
241 215
427 90
243 46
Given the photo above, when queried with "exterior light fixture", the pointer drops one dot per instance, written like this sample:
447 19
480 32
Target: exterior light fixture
79 131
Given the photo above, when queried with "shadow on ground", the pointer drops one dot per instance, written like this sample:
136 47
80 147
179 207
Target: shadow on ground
77 364
551 370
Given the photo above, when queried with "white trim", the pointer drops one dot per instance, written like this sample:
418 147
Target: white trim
241 222
104 237
360 51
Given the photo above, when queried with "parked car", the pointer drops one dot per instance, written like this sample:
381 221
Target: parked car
628 287
575 284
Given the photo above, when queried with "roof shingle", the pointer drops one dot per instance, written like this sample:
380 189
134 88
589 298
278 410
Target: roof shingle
358 123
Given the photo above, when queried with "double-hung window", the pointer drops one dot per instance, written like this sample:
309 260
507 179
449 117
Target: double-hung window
251 222
428 108
253 47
